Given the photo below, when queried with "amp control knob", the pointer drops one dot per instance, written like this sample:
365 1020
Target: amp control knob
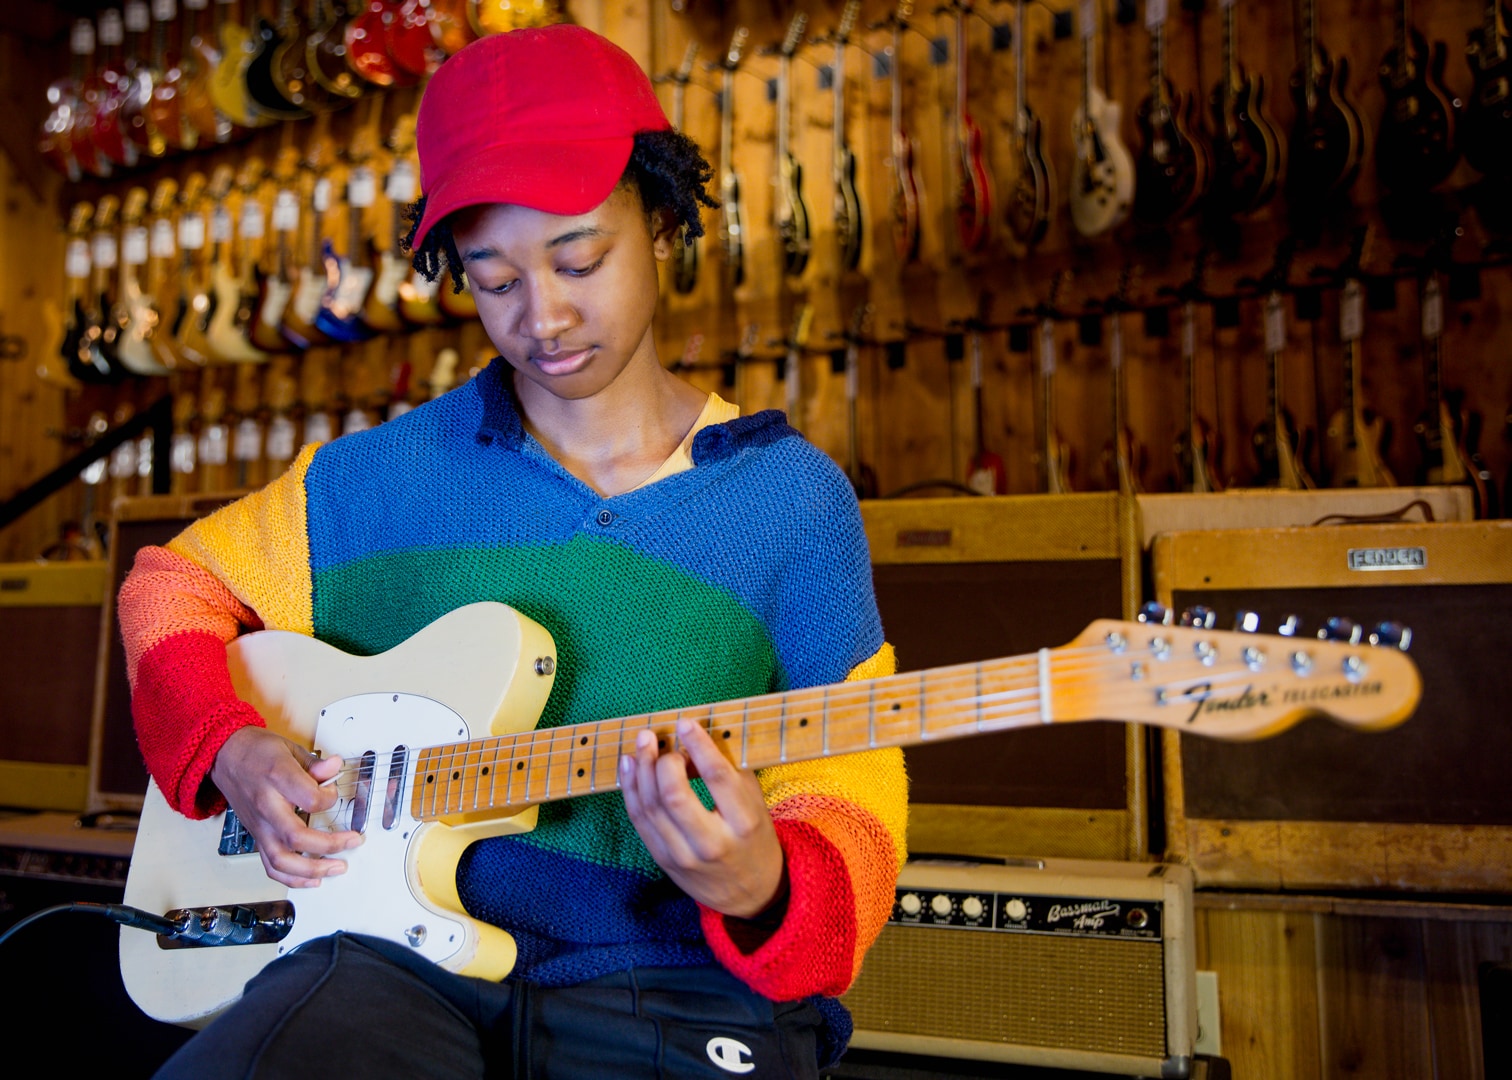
1016 910
940 905
910 903
971 907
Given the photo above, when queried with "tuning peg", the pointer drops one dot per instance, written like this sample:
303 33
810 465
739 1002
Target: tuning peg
1393 635
1199 616
1290 626
1246 622
1337 628
1154 612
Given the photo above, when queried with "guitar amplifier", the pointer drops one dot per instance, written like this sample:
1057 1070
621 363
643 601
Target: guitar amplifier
1064 963
50 622
967 579
1425 806
117 779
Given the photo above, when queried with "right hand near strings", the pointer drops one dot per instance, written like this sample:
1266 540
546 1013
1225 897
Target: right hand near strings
267 778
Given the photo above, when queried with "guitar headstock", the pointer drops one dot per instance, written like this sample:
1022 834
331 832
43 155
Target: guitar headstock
1235 685
134 206
847 22
194 188
684 72
79 218
794 36
163 196
737 48
105 212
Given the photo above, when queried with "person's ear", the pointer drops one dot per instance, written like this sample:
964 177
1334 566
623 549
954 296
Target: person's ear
664 233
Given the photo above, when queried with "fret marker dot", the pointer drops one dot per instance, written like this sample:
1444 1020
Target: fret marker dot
430 779
726 734
803 722
456 776
661 744
580 772
521 765
896 707
485 770
583 741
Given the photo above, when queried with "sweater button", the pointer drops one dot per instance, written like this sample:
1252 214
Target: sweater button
606 518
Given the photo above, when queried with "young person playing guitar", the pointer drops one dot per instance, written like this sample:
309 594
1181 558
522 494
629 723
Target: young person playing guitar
680 554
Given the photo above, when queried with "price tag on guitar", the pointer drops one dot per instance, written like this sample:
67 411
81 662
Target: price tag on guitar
1351 312
1275 323
1433 310
1155 14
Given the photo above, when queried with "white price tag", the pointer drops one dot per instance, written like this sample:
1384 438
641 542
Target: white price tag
1155 14
134 245
94 472
165 10
280 439
1351 312
352 290
105 251
320 199
247 446
136 16
362 187
1433 310
1115 345
1088 18
82 41
123 461
220 225
253 220
214 448
318 427
110 27
401 182
196 5
1189 331
354 421
191 234
1047 348
1275 323
163 244
76 261
286 211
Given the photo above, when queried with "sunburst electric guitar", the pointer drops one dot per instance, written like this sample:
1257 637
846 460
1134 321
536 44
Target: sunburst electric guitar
439 751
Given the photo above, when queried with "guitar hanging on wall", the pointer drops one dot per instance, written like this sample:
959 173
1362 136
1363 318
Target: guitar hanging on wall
790 213
731 214
849 231
1328 141
1102 176
438 749
1248 150
1171 172
1415 146
687 251
905 181
1029 202
973 181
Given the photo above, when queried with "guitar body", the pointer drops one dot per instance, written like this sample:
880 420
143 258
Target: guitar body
848 228
1247 150
456 305
732 228
229 328
974 199
685 262
1328 140
1277 448
1028 209
905 199
1356 451
380 311
1169 174
263 88
1102 180
792 217
340 314
274 291
1486 128
418 300
1059 463
1415 146
367 53
228 83
404 876
1196 457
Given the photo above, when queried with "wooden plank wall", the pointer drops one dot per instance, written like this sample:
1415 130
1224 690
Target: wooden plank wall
1308 993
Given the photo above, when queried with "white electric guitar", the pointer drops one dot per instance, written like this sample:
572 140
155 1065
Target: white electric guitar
1102 178
439 749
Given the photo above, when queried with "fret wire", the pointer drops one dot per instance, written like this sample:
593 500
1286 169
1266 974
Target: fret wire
923 726
782 731
745 727
527 770
871 705
572 745
493 774
979 697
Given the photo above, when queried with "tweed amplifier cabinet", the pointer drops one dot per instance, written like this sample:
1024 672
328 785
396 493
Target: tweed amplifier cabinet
50 623
1066 963
1426 806
117 777
968 579
1267 508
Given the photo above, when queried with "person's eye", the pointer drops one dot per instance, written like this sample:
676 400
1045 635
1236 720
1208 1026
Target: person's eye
584 271
500 290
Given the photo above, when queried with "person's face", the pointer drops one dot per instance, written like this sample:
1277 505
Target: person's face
567 301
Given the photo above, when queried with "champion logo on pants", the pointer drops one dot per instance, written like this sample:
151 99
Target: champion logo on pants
730 1054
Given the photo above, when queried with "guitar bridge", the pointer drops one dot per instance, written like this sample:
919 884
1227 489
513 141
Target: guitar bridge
235 924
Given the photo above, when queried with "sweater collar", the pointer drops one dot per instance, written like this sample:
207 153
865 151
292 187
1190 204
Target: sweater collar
501 425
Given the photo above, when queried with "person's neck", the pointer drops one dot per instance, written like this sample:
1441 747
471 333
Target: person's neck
616 438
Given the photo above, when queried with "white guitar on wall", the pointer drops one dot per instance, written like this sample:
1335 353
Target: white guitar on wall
1102 178
438 740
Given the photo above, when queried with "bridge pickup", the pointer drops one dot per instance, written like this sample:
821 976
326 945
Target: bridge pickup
235 840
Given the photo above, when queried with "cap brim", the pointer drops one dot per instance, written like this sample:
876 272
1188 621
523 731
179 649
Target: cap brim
554 177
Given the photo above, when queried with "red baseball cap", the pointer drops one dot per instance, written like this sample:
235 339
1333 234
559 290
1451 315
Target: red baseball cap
543 117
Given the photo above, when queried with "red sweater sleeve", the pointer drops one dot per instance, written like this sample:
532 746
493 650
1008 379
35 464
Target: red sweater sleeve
176 619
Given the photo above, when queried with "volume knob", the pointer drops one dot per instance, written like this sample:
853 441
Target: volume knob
910 903
940 905
1016 910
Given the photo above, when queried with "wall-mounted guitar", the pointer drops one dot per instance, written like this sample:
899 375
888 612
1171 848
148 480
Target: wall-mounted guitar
1355 437
1328 141
973 181
792 365
1415 146
233 279
80 345
191 306
731 214
1486 127
790 214
1197 448
276 287
71 155
1440 431
264 90
1128 459
1249 151
1054 459
687 251
1033 189
436 735
351 277
382 311
1278 449
849 228
135 313
1102 176
101 331
986 473
862 476
905 181
1171 173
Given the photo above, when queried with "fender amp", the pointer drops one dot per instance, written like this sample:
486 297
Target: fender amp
1064 963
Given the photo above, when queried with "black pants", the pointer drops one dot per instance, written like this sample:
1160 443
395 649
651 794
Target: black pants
360 1006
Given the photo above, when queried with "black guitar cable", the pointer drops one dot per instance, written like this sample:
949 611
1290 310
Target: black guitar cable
121 913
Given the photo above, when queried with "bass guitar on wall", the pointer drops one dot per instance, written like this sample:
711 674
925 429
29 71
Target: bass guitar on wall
973 182
731 213
1328 141
907 232
1249 151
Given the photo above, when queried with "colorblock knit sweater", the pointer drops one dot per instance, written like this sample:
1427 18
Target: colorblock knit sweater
745 574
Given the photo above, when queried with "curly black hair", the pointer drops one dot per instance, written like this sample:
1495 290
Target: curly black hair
665 167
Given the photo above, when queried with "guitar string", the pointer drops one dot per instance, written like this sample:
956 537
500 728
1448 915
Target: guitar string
775 707
996 718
